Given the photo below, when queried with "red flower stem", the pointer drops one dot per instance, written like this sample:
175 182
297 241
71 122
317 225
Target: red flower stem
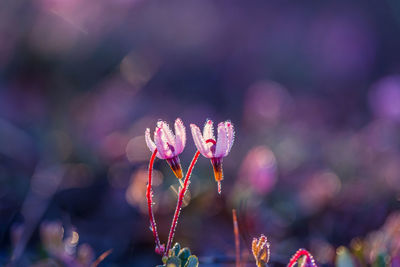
179 203
300 253
149 195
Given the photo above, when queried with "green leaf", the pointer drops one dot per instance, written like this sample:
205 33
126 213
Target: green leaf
174 250
192 262
173 262
344 258
184 254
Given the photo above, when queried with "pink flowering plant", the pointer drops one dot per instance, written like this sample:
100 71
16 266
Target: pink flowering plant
168 145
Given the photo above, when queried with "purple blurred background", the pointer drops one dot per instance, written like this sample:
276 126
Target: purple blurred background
312 87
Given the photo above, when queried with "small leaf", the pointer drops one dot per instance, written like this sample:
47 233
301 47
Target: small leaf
184 254
173 262
192 261
344 258
174 251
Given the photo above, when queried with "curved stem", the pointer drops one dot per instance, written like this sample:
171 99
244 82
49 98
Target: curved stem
211 141
149 195
179 203
300 253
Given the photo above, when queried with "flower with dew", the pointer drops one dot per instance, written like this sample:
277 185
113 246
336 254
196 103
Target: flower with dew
260 249
168 145
214 149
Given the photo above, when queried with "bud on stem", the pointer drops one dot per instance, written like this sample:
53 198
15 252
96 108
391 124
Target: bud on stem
175 165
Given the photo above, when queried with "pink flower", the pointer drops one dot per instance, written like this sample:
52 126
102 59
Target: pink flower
214 149
168 145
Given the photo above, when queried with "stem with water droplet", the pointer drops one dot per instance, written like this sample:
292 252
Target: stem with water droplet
300 253
149 195
179 203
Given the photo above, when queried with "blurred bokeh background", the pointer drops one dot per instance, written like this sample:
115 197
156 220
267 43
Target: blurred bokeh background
312 87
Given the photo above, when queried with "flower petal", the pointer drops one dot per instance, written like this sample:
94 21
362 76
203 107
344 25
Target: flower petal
208 131
199 141
169 136
222 147
231 134
180 136
150 143
160 139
